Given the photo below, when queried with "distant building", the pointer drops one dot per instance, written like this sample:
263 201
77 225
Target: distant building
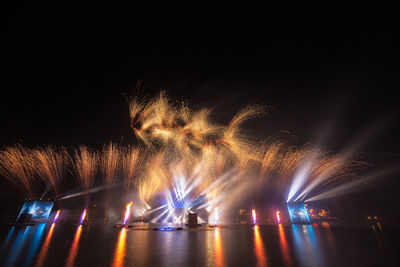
243 216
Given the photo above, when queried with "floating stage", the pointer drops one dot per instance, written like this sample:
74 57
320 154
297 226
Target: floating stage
33 211
298 213
192 221
167 228
123 226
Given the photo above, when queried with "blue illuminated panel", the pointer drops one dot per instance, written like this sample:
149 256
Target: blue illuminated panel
298 213
39 209
27 208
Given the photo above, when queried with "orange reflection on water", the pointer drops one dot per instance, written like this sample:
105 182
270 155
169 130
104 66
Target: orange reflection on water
45 247
120 250
74 248
218 250
259 248
325 225
284 246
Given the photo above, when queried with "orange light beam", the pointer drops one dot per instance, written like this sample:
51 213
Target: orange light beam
74 248
218 250
45 247
259 248
119 255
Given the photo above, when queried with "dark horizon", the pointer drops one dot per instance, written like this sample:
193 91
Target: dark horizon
324 73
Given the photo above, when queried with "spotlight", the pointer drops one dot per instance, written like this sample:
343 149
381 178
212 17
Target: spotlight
254 215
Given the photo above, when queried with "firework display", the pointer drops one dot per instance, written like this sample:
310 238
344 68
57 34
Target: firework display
186 163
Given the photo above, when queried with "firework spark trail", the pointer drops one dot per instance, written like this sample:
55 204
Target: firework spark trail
155 175
17 165
192 137
131 161
326 172
318 170
50 165
191 143
93 190
235 140
84 165
307 169
110 162
353 185
269 162
186 154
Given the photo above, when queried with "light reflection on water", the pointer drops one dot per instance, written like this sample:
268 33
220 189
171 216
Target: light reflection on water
218 250
34 244
6 241
306 246
17 245
297 245
45 247
284 247
120 250
259 248
380 238
138 247
74 248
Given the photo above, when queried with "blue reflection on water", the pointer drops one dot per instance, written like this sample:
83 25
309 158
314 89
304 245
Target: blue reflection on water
17 245
5 243
19 239
34 245
306 246
311 235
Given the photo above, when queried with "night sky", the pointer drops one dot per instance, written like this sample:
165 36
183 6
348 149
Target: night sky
328 75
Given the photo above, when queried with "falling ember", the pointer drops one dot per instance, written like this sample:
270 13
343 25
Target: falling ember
56 217
84 165
83 216
50 164
278 216
253 212
17 165
127 213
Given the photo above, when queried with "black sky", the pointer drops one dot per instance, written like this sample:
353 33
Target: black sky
329 74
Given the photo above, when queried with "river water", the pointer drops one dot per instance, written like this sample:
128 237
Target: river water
64 244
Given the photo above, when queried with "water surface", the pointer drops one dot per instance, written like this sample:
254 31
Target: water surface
65 244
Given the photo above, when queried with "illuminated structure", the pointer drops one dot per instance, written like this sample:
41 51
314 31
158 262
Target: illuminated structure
298 213
56 216
278 216
214 218
35 211
127 213
193 220
83 216
243 217
254 216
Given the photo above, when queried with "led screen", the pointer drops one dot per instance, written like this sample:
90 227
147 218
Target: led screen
298 213
38 209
